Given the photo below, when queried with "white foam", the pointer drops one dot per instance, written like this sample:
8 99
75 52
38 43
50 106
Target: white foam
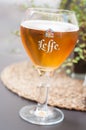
54 25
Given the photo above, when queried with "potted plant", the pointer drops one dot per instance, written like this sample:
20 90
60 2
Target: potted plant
78 59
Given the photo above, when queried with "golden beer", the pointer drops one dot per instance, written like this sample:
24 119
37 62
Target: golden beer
48 43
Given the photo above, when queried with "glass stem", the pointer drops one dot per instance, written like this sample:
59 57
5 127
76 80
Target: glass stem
43 88
43 96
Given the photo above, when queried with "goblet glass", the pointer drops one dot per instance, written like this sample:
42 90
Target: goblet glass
48 36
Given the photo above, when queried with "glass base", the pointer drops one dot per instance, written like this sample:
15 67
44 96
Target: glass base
37 115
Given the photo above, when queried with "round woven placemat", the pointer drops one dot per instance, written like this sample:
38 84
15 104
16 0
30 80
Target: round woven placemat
22 79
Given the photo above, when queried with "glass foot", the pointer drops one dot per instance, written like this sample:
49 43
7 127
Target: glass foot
36 115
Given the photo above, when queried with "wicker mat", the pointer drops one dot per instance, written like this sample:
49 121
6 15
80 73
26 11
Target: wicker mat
22 79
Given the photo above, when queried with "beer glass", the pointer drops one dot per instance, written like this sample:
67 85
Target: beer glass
48 36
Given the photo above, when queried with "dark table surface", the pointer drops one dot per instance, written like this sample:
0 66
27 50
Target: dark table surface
10 104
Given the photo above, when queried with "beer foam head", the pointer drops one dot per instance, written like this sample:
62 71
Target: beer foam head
54 25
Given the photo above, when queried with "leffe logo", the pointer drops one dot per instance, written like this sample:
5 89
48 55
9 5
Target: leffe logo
49 46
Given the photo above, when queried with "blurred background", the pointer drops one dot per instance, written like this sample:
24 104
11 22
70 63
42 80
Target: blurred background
11 14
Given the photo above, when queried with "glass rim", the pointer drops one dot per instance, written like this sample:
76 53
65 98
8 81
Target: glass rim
52 10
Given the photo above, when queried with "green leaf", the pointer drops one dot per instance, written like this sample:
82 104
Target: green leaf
77 49
82 45
69 64
68 71
68 60
74 61
17 33
77 58
82 57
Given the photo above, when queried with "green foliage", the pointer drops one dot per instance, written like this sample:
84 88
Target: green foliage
17 33
79 6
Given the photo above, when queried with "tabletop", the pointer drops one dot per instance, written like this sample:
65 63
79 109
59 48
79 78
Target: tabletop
10 104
